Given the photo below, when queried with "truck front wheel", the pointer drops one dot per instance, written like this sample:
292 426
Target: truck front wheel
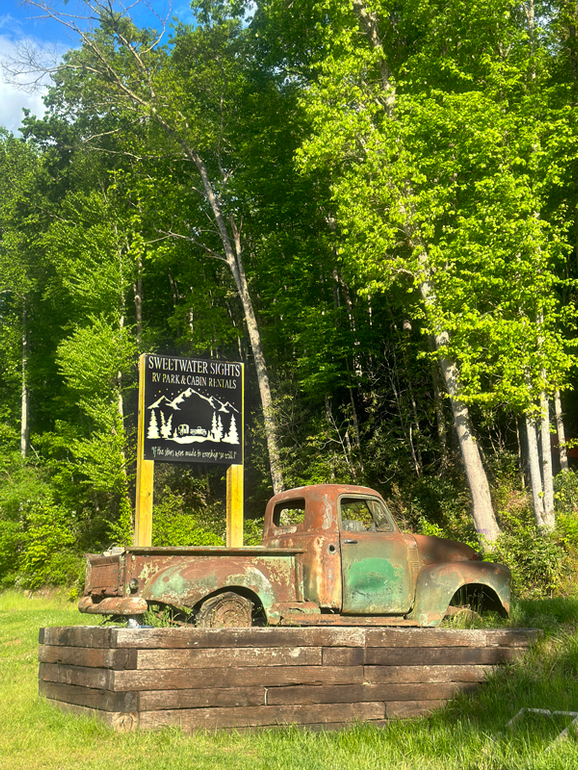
227 610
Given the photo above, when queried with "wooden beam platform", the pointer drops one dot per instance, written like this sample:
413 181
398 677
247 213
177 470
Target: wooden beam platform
259 677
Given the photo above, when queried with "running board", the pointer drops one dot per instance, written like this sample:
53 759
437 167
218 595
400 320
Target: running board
345 620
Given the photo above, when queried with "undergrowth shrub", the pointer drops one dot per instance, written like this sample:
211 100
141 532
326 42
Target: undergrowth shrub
38 536
433 505
48 556
566 500
176 524
566 492
253 531
188 508
540 561
536 559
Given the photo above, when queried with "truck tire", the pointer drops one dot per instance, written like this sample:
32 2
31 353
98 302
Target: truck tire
228 610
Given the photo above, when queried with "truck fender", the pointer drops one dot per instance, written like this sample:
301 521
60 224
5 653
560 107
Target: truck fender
187 584
437 584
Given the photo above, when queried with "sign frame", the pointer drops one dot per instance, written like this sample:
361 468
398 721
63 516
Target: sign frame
224 439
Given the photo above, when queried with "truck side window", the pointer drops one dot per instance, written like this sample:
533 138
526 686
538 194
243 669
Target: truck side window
381 516
289 514
364 515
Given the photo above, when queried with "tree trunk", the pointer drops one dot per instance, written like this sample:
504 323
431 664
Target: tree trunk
235 262
356 431
535 475
25 393
138 296
234 258
482 508
439 408
521 464
329 418
339 286
151 106
547 480
561 432
415 450
269 420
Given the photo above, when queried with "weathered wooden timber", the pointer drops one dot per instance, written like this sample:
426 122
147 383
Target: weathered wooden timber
208 678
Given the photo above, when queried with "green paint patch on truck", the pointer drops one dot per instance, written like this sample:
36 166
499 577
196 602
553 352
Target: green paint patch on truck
331 554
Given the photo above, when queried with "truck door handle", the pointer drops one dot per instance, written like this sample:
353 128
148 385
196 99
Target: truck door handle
350 542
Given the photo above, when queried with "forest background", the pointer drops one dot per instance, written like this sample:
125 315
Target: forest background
372 205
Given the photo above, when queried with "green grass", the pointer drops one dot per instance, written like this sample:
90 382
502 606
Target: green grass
468 735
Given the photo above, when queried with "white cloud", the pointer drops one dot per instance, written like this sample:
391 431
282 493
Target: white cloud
12 98
12 25
13 101
26 32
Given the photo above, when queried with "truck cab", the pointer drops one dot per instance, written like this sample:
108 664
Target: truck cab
356 561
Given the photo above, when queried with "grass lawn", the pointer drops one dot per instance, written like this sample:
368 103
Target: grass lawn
467 735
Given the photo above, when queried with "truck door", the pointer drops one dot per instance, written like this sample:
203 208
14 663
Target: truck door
375 568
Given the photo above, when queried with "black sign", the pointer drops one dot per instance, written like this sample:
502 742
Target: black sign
193 410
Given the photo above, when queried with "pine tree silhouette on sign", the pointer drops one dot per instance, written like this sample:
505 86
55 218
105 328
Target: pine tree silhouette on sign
232 437
167 426
153 430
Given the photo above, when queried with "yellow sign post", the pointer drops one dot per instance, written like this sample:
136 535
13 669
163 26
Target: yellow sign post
189 410
235 487
235 506
143 519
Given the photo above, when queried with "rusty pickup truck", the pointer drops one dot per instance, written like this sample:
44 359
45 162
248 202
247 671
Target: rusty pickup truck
330 555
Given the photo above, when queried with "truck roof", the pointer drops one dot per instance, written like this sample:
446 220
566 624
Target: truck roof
318 491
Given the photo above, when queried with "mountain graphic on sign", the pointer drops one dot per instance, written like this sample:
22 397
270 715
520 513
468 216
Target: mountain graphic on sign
192 417
178 401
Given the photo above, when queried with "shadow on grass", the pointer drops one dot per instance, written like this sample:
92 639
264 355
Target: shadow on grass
545 678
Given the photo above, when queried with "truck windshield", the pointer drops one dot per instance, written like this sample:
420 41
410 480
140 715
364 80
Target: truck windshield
361 514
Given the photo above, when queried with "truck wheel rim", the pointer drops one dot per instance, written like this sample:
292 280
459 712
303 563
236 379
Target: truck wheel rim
227 610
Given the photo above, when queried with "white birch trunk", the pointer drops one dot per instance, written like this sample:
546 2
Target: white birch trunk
176 127
25 393
547 479
439 407
534 470
520 453
238 271
137 289
482 508
560 431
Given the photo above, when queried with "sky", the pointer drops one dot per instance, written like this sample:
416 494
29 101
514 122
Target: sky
22 24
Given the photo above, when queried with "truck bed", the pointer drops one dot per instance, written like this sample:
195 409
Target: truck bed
123 580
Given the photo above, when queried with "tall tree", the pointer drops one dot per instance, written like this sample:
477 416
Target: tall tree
18 172
424 123
186 95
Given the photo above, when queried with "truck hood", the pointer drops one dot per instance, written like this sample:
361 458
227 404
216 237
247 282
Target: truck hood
435 550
